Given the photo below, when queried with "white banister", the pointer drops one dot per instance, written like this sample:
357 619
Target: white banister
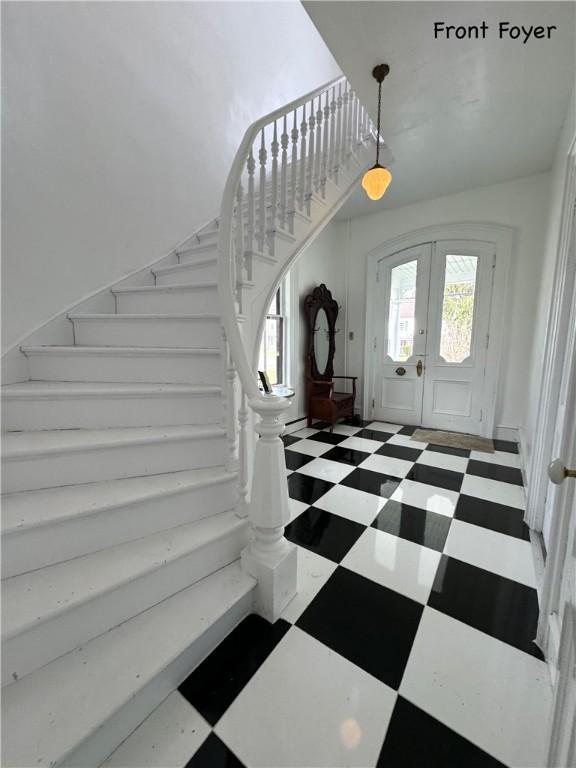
266 216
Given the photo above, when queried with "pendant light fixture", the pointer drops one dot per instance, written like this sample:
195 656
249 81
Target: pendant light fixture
376 180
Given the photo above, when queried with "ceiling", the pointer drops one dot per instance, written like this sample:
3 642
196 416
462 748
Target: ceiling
456 114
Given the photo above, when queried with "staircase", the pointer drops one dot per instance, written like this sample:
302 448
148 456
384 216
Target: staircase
125 460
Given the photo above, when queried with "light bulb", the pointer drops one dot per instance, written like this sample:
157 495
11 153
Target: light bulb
375 181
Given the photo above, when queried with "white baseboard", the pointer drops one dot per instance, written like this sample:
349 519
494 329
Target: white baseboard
506 432
523 457
294 426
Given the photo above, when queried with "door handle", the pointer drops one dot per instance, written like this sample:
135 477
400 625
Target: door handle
400 371
419 367
557 472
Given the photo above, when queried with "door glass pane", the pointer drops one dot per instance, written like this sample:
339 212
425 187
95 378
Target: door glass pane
458 307
402 310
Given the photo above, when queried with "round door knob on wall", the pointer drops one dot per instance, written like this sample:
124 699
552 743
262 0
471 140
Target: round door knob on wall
557 472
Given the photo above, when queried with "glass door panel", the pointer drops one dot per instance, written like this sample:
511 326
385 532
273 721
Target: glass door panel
458 307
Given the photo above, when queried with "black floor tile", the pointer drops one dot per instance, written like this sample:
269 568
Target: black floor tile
289 439
321 425
374 434
346 455
448 449
328 437
505 445
416 740
407 431
306 488
214 685
441 478
295 460
500 607
426 528
371 482
495 472
214 754
324 533
488 514
399 451
366 623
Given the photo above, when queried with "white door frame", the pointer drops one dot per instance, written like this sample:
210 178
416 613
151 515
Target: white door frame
503 238
556 332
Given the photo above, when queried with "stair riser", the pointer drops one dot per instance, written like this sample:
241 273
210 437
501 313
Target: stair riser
161 332
190 273
97 747
168 302
77 466
161 369
51 639
28 549
102 412
200 251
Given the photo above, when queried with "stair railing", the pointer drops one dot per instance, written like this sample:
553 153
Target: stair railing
285 159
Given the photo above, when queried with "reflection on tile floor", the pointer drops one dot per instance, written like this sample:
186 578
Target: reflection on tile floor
410 642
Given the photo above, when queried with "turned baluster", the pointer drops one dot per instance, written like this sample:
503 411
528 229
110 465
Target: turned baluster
325 147
355 114
242 508
275 146
284 174
229 406
310 169
338 142
293 174
302 174
345 123
250 232
239 245
262 155
332 154
318 151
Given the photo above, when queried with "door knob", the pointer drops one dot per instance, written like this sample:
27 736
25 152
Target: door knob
557 472
400 371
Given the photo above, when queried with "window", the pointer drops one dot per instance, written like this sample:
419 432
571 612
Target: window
402 310
458 307
272 357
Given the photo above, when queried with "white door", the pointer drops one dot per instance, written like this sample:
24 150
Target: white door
434 312
401 313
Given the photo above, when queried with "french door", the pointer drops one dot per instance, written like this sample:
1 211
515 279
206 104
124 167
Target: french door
431 324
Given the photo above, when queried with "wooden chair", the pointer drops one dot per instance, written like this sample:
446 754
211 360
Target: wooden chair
323 401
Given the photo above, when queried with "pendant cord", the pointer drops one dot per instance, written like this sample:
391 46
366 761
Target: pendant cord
378 123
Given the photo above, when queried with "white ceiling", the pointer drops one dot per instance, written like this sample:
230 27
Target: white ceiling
456 114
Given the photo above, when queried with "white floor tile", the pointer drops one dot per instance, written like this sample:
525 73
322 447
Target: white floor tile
355 505
491 693
333 471
310 447
360 444
288 472
384 426
443 461
494 490
306 432
344 429
427 497
505 555
407 441
498 457
313 572
395 563
387 465
296 508
167 738
308 706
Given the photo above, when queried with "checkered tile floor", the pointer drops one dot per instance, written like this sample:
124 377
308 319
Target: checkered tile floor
410 642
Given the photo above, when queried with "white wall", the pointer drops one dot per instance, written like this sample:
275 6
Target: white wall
120 121
521 204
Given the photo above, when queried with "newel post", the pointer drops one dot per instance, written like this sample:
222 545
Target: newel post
269 557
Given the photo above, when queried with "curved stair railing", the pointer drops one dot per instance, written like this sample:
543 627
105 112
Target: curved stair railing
293 170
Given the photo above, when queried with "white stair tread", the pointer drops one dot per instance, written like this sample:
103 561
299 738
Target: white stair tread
51 711
165 288
25 444
118 351
37 596
186 266
135 316
50 389
29 509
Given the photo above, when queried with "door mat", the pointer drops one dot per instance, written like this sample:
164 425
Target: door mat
454 440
